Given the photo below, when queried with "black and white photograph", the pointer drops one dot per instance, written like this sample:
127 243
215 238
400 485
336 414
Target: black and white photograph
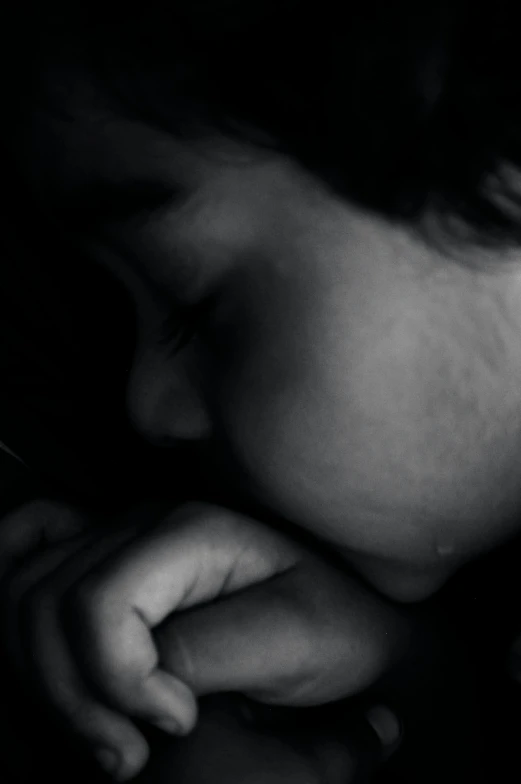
260 392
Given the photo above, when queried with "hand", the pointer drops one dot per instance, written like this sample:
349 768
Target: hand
30 528
270 620
233 745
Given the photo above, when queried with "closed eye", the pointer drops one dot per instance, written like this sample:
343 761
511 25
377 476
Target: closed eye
182 325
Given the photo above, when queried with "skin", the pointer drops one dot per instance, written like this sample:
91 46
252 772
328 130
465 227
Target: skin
235 750
134 624
356 381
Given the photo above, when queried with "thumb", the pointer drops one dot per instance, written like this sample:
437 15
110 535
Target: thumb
306 636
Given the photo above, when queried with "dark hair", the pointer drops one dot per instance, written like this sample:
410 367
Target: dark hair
410 109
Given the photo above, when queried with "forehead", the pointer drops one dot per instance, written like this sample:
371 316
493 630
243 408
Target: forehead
94 164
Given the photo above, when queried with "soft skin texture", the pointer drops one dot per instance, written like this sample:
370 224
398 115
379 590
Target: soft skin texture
353 379
131 624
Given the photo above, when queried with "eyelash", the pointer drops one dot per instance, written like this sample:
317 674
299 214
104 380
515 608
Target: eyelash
182 325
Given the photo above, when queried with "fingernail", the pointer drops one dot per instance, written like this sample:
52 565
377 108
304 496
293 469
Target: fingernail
109 760
386 725
168 725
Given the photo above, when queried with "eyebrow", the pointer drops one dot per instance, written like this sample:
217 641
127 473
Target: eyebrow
104 201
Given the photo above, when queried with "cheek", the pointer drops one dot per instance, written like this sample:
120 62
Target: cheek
399 446
307 446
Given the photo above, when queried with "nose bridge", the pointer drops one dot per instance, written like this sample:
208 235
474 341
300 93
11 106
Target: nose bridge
163 401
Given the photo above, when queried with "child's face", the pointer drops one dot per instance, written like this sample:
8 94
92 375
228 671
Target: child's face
357 382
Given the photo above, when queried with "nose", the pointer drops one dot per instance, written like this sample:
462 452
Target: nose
164 399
